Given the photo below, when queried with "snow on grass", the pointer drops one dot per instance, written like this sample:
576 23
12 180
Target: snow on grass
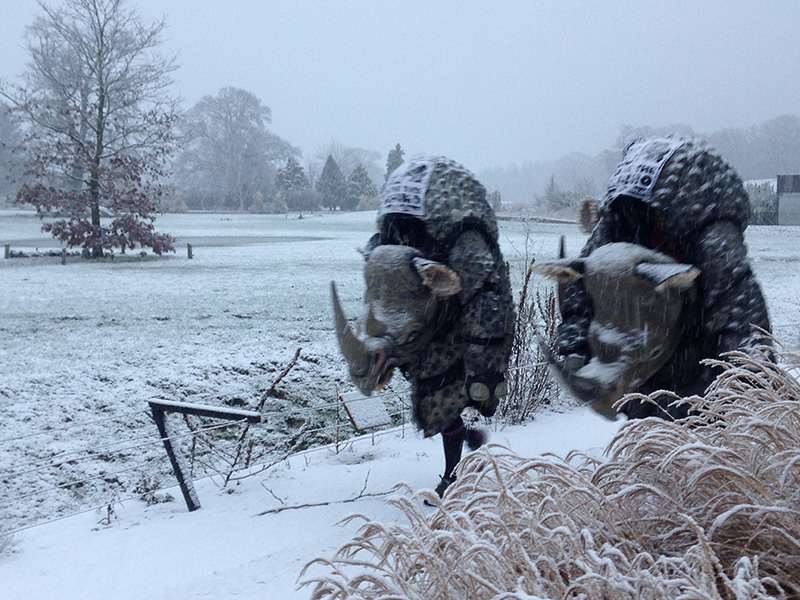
90 342
702 508
95 340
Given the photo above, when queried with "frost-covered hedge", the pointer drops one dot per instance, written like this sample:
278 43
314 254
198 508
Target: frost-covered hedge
703 508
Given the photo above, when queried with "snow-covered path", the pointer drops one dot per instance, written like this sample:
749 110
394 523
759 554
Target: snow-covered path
229 548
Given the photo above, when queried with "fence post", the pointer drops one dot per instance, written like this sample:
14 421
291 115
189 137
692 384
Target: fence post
189 251
176 458
8 250
160 408
63 256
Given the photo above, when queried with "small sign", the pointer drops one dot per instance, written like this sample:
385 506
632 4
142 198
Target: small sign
406 188
365 412
636 175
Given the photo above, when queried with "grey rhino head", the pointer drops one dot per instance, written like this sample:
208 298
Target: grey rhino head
638 297
402 302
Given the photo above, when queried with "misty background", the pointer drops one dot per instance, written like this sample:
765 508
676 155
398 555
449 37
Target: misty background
537 98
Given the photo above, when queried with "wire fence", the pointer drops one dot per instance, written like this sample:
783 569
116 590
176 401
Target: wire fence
58 482
40 432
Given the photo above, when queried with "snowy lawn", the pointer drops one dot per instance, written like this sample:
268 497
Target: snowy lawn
89 343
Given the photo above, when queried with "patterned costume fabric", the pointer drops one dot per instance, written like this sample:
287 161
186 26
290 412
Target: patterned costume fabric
437 206
694 208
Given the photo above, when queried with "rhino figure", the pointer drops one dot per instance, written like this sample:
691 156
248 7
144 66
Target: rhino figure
638 296
405 303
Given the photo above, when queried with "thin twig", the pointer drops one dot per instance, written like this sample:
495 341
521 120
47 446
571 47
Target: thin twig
361 495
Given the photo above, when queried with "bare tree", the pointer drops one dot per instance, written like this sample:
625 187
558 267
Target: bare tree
349 158
314 168
98 124
10 147
229 153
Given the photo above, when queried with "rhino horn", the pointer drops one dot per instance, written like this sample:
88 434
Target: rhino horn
353 349
584 389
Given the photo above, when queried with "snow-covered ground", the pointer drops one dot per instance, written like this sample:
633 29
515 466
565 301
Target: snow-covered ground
86 344
89 343
230 548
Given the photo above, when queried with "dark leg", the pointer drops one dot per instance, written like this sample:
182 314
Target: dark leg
453 440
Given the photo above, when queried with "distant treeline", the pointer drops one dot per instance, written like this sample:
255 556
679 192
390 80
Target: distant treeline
245 167
759 152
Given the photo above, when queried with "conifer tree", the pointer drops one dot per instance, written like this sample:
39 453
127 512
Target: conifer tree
294 188
292 177
394 160
360 188
332 186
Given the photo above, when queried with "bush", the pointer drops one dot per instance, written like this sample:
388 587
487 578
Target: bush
705 507
268 204
763 202
530 384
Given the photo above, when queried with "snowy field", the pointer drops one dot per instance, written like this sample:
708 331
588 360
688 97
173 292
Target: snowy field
86 344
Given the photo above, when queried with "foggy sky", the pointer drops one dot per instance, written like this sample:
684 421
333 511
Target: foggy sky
488 83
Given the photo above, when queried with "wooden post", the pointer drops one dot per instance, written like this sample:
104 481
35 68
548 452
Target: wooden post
63 256
189 250
8 250
160 408
176 458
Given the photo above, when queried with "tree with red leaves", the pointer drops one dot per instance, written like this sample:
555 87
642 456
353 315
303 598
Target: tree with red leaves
98 125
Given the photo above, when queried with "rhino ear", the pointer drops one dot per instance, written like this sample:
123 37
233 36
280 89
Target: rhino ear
441 279
668 276
372 326
562 271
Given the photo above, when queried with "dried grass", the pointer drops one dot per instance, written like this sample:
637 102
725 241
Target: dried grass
708 507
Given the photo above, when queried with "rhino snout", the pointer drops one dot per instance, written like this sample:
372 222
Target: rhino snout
369 359
598 384
376 368
607 397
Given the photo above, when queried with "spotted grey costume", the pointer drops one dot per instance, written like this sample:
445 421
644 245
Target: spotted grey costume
680 197
438 207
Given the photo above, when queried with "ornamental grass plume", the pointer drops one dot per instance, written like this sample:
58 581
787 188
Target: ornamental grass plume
706 507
